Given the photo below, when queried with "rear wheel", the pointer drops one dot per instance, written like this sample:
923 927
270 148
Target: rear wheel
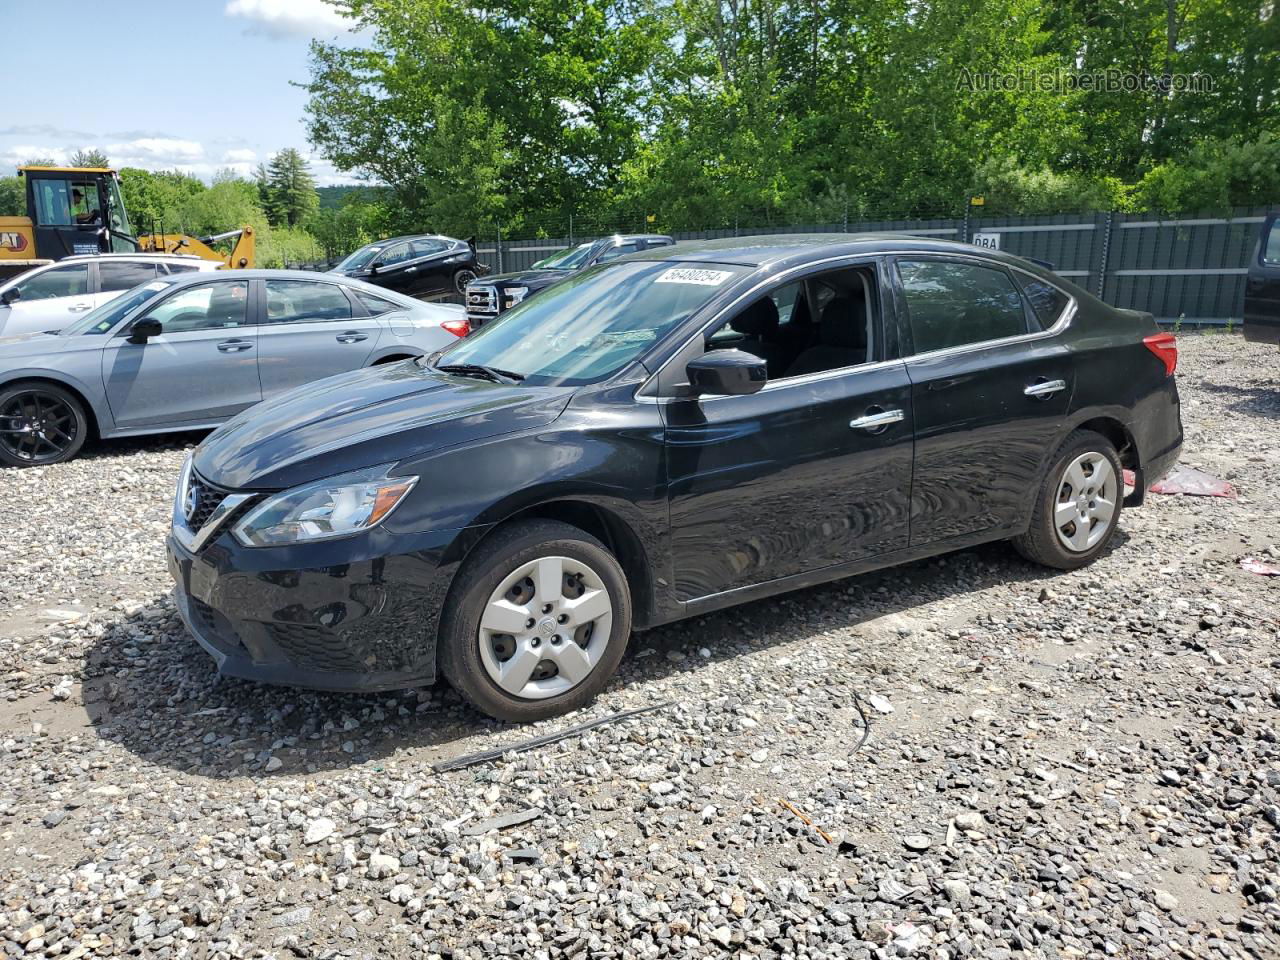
461 279
537 623
1078 507
40 424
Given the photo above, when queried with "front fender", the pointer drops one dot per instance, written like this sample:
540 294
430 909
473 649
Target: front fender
91 393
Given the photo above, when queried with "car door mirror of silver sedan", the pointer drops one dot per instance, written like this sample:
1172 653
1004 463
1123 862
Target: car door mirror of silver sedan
9 296
144 329
727 373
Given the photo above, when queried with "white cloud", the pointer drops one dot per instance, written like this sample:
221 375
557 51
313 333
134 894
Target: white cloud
280 18
155 153
240 156
22 152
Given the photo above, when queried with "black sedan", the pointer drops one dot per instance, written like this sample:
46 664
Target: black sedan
657 437
488 299
425 266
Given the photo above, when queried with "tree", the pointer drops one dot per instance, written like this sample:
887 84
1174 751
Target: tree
290 189
155 201
13 197
89 157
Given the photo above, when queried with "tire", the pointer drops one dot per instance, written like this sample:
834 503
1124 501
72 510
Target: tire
495 591
40 424
1049 539
460 280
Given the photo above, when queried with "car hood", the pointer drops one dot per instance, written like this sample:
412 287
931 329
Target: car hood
23 345
541 276
364 418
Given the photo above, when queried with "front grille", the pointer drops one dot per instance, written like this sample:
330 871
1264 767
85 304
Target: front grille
313 647
202 500
482 300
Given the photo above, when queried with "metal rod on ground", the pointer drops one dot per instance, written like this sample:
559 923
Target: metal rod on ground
485 756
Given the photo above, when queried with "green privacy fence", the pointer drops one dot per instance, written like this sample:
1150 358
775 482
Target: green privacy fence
1186 267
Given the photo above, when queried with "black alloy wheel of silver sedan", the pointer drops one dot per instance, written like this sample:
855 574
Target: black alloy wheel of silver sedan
40 424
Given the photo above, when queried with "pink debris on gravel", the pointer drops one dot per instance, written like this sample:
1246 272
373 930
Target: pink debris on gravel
1260 567
1194 483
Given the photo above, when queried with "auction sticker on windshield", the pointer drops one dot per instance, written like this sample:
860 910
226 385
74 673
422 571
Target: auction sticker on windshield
703 278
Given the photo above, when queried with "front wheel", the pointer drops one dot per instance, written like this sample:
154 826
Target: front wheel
537 622
1078 507
40 424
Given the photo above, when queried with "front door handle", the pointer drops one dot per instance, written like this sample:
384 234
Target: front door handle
351 336
79 307
1045 388
410 269
234 346
877 419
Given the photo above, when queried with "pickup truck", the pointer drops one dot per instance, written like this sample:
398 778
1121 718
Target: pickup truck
492 296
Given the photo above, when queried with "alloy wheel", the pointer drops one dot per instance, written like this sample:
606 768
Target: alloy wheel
545 627
461 279
1085 506
37 427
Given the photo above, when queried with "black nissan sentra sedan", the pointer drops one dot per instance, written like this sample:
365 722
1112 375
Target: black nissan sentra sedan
657 437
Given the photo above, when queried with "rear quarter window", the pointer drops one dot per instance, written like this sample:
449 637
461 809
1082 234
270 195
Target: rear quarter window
1271 249
1047 301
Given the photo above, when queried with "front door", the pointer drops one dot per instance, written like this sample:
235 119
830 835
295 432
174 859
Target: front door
309 331
1262 288
394 269
202 368
812 471
990 389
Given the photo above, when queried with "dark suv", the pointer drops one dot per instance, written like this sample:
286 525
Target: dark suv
1262 291
487 299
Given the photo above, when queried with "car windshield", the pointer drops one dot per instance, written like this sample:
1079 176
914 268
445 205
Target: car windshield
112 312
590 326
361 257
569 259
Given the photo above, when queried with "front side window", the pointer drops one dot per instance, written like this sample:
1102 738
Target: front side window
1271 251
395 254
1047 301
208 306
794 340
952 304
590 326
124 275
570 259
104 319
72 281
361 257
621 250
305 301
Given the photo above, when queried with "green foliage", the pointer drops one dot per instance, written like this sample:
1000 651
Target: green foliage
287 189
1214 175
13 197
361 219
1009 189
89 157
155 201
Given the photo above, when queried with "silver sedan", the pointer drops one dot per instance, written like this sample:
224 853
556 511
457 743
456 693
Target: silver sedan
189 352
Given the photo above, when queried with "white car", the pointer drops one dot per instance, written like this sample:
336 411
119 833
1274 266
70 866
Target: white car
51 297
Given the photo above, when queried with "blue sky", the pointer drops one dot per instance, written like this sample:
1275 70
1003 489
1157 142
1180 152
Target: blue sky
197 85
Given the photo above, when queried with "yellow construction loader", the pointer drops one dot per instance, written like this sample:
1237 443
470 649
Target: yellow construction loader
75 210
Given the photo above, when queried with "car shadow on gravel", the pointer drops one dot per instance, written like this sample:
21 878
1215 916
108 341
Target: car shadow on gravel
149 688
98 448
1250 401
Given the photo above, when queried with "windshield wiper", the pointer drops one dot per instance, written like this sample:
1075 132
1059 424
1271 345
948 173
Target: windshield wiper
480 370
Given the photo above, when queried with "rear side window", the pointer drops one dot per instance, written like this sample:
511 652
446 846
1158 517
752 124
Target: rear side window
125 276
425 248
376 306
305 301
953 304
1047 301
58 282
182 267
1271 251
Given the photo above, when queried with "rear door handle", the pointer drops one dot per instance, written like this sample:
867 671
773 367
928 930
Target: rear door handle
79 307
876 419
234 346
351 336
1045 388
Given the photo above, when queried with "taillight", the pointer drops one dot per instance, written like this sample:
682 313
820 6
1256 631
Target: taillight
1164 346
459 328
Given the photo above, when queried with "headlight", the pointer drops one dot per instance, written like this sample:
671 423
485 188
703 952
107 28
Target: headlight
337 507
515 295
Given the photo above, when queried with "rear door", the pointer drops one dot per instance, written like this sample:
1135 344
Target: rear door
201 369
310 329
1262 289
990 390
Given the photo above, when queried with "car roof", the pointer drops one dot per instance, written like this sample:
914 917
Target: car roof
88 257
788 249
410 236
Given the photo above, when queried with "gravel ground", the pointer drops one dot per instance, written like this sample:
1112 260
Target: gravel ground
1059 765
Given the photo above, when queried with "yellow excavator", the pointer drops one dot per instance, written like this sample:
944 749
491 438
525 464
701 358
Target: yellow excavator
76 210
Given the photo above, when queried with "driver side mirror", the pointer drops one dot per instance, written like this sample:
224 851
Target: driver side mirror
727 373
9 296
144 329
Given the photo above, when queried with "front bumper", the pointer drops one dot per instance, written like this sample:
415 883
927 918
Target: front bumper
360 614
